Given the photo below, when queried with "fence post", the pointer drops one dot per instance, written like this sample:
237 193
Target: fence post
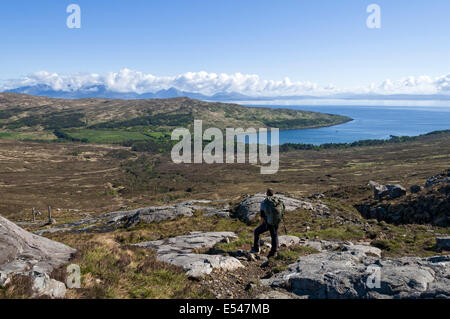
50 214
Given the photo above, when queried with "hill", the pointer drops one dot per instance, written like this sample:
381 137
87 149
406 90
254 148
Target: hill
117 121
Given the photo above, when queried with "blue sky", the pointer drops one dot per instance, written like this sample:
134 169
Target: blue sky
318 41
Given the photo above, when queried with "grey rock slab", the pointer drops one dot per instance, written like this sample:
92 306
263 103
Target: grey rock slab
324 245
154 215
352 271
284 241
198 265
179 251
43 285
212 212
362 250
24 253
21 250
187 243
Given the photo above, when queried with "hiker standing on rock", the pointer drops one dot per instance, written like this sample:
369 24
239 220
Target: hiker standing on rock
272 210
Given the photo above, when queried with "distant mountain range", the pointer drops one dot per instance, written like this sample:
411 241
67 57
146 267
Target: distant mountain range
100 91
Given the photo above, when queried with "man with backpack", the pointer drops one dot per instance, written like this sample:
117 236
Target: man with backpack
272 211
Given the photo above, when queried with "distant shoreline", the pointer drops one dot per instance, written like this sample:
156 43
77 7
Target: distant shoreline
369 142
345 102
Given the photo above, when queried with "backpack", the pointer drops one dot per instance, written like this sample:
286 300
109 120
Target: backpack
275 210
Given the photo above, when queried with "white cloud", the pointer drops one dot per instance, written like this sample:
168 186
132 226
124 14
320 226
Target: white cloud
409 85
211 83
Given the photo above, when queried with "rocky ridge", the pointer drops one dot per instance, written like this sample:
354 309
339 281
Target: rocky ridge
425 205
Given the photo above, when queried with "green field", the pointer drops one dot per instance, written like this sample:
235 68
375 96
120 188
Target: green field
107 136
99 136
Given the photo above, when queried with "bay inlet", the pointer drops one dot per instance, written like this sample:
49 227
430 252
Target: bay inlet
369 122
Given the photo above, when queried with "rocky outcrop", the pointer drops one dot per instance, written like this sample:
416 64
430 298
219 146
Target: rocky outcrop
437 179
131 218
23 253
387 191
325 245
357 271
249 208
180 251
429 206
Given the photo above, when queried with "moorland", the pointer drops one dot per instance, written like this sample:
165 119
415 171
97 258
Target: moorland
94 169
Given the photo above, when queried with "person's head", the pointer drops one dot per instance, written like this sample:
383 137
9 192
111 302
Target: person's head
269 192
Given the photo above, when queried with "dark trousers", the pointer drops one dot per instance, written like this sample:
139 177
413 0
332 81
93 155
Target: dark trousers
264 227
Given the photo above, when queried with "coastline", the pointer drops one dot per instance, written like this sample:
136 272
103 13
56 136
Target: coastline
364 142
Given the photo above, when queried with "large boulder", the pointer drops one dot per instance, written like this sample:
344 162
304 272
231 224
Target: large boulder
249 209
24 253
180 251
396 191
379 190
357 271
387 191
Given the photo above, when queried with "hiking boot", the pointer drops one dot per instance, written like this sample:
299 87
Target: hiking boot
272 254
254 251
